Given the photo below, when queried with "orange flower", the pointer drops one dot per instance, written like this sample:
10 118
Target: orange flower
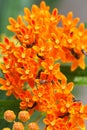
11 84
55 123
26 100
31 65
42 97
79 62
68 22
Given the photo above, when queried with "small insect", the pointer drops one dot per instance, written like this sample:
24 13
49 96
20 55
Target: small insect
76 55
41 57
75 100
84 52
30 45
66 114
19 41
43 81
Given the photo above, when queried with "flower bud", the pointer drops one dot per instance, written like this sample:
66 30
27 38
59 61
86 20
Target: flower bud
33 126
9 116
23 116
6 128
18 126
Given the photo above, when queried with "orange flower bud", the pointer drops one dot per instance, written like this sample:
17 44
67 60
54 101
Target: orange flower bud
33 126
6 128
18 126
9 116
23 116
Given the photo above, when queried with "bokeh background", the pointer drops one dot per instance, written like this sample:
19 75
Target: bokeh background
12 8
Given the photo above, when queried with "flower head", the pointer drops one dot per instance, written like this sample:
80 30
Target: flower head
31 66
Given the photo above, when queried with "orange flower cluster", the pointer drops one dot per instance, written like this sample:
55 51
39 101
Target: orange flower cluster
31 68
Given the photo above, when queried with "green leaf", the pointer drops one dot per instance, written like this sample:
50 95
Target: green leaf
79 76
8 105
5 104
4 124
1 74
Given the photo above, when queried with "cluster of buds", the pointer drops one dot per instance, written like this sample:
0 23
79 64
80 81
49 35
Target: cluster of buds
23 117
31 66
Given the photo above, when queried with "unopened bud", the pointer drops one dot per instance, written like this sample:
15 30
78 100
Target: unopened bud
23 116
33 126
6 128
9 116
18 126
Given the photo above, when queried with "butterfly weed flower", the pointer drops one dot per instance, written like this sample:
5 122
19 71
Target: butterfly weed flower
31 69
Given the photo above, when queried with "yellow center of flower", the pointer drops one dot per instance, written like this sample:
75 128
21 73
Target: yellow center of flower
7 83
51 67
23 55
27 71
7 66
